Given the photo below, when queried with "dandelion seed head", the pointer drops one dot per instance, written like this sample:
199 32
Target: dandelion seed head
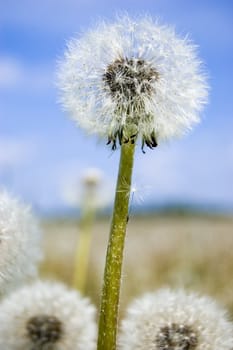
133 78
92 177
177 337
44 330
128 79
20 238
47 316
175 320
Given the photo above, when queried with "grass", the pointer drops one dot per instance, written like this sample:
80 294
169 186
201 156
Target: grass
191 251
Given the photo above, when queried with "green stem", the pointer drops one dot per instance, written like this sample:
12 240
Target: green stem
83 250
113 266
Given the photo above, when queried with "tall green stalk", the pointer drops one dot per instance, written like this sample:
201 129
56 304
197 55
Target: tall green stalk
113 266
83 250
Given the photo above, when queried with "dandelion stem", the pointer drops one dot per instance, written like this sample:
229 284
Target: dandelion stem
83 250
113 266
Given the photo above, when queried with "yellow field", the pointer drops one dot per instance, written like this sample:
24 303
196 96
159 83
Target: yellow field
191 251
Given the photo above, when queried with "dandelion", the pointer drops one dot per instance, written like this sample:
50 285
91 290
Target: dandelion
91 181
175 320
20 250
47 316
92 177
133 79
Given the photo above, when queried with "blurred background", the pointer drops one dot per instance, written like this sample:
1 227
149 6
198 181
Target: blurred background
183 193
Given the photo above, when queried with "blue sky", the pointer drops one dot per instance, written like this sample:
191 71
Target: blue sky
43 155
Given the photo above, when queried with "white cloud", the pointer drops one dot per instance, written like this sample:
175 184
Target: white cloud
18 75
202 172
14 151
11 72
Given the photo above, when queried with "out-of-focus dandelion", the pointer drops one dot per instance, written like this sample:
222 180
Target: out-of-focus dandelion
123 81
20 236
175 320
47 316
91 180
73 189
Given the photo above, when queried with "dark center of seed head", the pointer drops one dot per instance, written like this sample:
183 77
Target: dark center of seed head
44 330
128 78
176 337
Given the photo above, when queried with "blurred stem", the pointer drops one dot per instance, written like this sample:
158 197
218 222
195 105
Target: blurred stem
113 265
83 249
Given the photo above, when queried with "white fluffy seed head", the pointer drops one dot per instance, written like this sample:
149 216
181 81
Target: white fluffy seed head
175 320
92 177
47 316
20 237
133 77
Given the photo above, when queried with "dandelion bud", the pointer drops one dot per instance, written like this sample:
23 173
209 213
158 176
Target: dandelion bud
167 320
20 250
133 78
47 316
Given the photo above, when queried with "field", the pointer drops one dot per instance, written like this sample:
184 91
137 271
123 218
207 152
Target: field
191 251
